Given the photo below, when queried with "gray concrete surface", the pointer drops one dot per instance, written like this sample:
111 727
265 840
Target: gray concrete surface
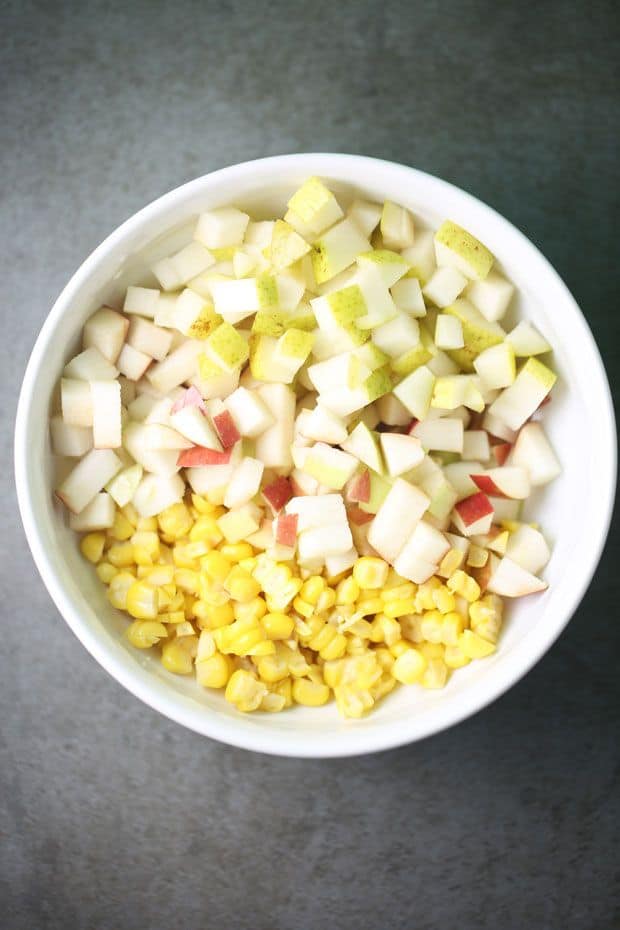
113 817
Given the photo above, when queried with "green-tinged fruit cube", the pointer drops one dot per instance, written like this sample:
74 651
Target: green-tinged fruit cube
315 205
457 247
227 348
287 246
267 291
378 384
269 322
295 343
478 333
204 324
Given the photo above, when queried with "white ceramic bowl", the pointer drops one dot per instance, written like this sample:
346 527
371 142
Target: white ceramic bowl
574 511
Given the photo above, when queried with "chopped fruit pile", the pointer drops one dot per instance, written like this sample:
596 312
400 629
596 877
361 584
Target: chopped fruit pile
301 459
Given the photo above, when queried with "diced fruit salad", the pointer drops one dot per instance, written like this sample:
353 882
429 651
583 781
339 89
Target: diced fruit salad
301 450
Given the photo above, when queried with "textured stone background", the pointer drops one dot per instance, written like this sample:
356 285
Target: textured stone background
113 817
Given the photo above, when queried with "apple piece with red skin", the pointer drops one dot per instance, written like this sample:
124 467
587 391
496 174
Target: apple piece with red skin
358 488
190 398
278 493
286 529
473 515
199 455
357 516
226 429
511 580
500 452
508 481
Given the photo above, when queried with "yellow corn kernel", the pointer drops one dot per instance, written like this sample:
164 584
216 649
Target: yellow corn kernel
312 589
241 586
237 551
272 668
454 657
436 674
164 597
121 554
122 528
356 646
183 629
295 660
451 628
283 689
411 627
347 591
176 658
399 607
399 647
130 513
187 580
212 594
254 609
370 572
145 633
477 557
91 546
147 525
310 693
361 628
175 521
273 703
211 617
329 643
474 646
106 572
188 605
278 626
369 606
143 570
384 658
443 599
409 666
214 671
399 592
142 601
248 565
216 565
461 583
201 504
264 648
119 586
245 691
432 626
326 601
177 602
424 597
205 530
173 617
353 703
431 650
385 684
145 547
452 560
302 607
384 629
182 557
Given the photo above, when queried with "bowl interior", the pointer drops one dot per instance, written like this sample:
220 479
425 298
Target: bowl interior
573 512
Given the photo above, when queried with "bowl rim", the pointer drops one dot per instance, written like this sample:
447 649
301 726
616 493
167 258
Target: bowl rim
368 739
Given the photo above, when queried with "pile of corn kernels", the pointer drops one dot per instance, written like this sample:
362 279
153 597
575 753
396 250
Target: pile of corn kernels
215 607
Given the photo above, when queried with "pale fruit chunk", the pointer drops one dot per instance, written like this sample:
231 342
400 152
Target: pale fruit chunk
193 315
273 446
179 366
390 266
422 553
401 452
106 402
397 518
329 466
444 286
457 247
322 425
105 330
287 246
396 226
291 351
452 391
391 411
235 300
157 492
90 365
363 443
147 338
407 295
519 401
314 207
88 478
159 461
194 425
244 264
532 450
142 301
380 306
337 249
496 366
397 336
245 482
459 476
323 510
526 340
240 523
226 348
415 391
123 486
133 364
442 435
220 228
249 412
76 402
70 441
421 256
448 332
507 481
341 562
476 445
210 478
324 541
496 427
344 401
528 548
259 233
263 363
491 296
511 580
478 333
98 515
367 215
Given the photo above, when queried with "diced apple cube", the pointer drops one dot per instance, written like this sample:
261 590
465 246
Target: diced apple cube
401 452
133 364
88 478
222 227
141 301
105 330
68 440
90 365
98 515
76 402
533 451
155 493
123 486
249 412
329 466
106 404
245 482
397 518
